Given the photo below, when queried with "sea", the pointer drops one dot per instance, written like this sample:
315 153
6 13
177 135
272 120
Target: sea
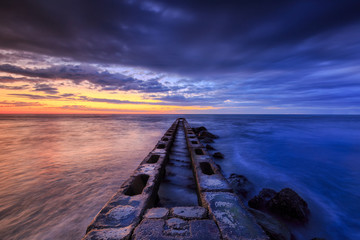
57 171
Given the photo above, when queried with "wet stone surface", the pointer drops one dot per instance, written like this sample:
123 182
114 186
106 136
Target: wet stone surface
233 219
189 212
157 213
160 230
176 186
176 223
109 234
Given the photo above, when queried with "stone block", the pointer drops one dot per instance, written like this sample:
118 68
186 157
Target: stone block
193 142
128 205
176 223
162 146
109 234
195 212
154 159
151 229
157 213
234 221
209 177
204 230
124 215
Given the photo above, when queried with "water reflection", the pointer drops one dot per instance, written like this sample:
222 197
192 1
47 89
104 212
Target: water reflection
57 172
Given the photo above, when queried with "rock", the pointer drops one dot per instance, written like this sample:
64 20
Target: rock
209 147
316 238
275 229
218 166
207 140
218 155
199 129
206 134
260 201
241 185
288 204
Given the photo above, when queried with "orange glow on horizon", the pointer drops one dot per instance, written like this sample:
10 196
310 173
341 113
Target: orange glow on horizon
84 98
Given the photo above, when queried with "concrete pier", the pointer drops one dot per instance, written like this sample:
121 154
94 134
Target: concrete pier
177 192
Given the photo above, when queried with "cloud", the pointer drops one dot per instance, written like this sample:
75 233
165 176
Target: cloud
34 96
180 36
14 87
80 73
10 79
19 104
66 95
104 100
87 109
45 88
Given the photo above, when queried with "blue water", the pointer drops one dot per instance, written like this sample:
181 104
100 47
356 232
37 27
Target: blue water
56 172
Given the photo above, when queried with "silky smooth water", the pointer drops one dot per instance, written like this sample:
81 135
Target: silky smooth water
56 172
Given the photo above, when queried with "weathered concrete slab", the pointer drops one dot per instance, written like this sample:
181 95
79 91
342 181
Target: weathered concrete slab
157 213
159 229
195 212
194 143
162 147
127 206
109 234
208 175
204 230
177 223
231 216
149 229
212 183
155 159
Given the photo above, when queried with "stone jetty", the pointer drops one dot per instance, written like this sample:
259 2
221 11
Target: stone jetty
177 192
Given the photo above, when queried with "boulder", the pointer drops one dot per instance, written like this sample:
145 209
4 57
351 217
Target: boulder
275 229
218 155
219 167
241 185
199 129
206 134
209 147
261 200
207 140
288 204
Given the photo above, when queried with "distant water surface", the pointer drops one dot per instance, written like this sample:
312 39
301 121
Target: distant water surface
56 172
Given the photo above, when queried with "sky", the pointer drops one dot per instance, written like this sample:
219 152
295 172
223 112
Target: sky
180 56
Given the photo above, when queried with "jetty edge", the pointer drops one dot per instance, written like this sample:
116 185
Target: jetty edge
135 212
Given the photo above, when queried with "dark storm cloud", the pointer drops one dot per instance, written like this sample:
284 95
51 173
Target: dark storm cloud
169 100
104 100
9 79
78 74
181 100
181 36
